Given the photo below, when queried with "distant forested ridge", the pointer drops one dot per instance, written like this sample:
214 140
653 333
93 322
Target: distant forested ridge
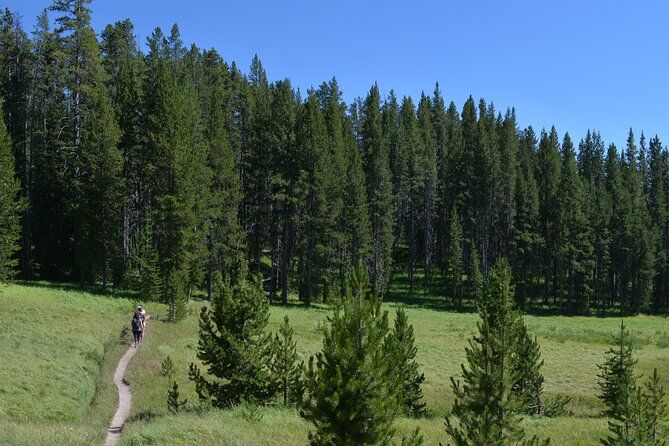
168 167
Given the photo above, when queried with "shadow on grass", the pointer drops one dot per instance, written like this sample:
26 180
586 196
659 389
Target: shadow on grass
95 289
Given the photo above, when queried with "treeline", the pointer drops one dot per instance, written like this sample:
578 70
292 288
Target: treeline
166 168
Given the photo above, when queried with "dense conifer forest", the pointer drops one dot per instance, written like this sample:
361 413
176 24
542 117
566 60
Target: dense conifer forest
166 168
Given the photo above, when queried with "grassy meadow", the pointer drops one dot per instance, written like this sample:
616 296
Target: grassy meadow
571 348
59 348
58 351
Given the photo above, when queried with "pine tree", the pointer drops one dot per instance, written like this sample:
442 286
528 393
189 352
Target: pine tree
10 207
655 410
548 182
173 403
454 257
224 235
574 241
637 272
16 96
618 391
659 216
428 185
485 405
352 386
124 67
379 191
527 364
180 177
526 235
411 149
234 345
285 368
96 162
403 351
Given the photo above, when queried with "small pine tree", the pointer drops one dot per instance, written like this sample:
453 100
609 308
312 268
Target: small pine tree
655 410
285 368
234 345
485 406
403 351
618 390
528 363
167 367
173 403
352 392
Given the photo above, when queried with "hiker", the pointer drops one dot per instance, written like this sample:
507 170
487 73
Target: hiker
145 318
137 328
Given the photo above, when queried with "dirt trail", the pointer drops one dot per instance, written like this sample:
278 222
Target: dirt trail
124 399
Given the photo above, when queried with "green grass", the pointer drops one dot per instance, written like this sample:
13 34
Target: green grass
59 348
571 348
58 351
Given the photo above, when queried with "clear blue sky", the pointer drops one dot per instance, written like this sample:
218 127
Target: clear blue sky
576 64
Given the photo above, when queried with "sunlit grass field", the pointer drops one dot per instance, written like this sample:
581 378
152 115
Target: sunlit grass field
571 348
58 351
59 348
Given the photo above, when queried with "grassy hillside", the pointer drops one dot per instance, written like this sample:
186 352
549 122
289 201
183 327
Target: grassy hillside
571 348
58 351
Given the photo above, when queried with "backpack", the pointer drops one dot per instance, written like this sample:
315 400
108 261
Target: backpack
136 324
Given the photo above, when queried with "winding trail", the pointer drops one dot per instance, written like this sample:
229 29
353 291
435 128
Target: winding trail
124 399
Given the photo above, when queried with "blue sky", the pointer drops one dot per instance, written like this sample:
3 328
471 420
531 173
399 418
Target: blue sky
576 64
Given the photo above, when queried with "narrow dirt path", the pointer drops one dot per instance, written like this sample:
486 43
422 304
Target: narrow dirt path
124 399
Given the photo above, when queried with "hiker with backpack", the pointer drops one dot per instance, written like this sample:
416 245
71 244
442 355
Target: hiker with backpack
137 324
144 317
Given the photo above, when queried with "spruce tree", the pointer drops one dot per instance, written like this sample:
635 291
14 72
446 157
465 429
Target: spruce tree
454 257
351 384
574 233
285 367
234 345
527 364
618 391
410 148
526 235
486 404
174 405
16 96
401 346
655 410
10 207
379 191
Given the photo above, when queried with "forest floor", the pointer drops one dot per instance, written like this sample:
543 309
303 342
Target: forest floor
57 386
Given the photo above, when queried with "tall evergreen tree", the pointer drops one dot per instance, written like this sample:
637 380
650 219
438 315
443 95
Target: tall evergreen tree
428 184
548 182
526 234
379 190
96 161
574 233
10 207
180 176
16 93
